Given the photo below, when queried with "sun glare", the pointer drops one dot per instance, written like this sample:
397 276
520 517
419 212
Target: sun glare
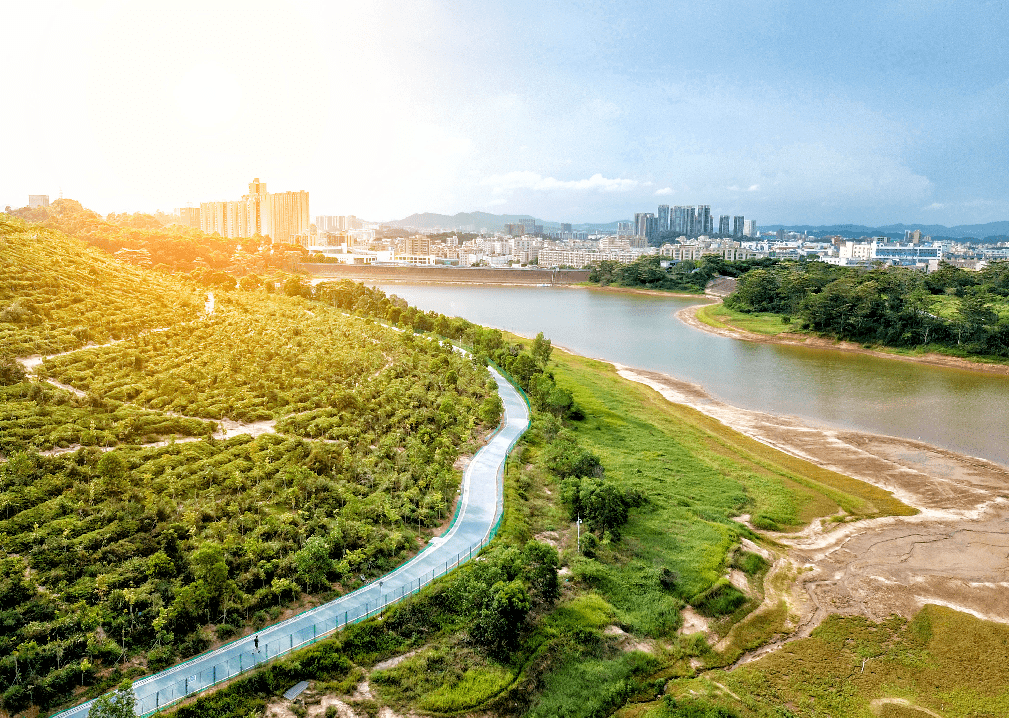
209 95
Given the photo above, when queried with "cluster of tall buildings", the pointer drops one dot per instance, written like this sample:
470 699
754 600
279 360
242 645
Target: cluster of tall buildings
281 216
527 226
337 223
689 221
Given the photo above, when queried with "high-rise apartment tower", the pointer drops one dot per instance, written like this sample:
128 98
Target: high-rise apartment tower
289 217
705 223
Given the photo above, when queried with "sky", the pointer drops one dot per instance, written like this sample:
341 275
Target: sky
785 112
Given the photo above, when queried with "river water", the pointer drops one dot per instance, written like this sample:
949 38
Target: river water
960 410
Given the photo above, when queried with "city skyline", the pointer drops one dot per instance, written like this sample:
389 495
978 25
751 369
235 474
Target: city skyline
863 113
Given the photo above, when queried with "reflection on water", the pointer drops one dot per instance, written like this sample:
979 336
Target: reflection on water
960 410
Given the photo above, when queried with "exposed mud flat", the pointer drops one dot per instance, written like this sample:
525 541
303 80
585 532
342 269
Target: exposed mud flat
954 553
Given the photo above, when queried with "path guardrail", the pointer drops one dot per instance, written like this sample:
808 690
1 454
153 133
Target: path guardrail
199 681
227 669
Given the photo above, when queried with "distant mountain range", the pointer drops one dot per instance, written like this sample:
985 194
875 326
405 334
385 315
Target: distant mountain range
960 231
475 221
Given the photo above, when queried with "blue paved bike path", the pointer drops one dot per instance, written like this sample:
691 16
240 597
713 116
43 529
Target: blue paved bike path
480 508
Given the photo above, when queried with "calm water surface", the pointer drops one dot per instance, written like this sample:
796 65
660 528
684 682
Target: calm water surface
960 410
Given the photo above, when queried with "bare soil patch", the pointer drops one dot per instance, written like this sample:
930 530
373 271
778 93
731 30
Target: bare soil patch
393 662
627 642
721 286
693 622
554 538
646 292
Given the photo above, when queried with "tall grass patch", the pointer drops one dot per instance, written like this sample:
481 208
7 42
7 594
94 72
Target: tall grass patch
942 661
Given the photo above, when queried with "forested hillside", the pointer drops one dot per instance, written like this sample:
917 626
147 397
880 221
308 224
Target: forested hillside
130 546
144 239
956 310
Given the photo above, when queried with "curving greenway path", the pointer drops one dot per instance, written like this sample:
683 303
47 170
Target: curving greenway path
473 526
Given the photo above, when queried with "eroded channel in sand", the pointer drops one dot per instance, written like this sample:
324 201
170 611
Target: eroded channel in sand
954 553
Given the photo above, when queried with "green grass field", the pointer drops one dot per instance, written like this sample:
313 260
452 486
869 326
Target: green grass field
721 317
942 663
697 475
946 306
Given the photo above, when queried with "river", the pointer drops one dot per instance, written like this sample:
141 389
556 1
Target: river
960 410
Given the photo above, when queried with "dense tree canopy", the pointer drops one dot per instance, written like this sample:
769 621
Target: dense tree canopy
900 307
686 276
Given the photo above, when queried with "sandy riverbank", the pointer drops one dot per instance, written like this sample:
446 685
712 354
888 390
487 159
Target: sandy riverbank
954 552
688 316
645 292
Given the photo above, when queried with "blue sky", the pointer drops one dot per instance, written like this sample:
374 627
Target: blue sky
786 112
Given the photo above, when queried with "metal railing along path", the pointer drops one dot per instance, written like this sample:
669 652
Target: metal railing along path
475 523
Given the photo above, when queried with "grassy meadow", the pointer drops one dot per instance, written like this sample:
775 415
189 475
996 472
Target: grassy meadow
942 662
722 317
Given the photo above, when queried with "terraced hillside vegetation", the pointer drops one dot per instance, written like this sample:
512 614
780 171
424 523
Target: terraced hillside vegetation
140 523
57 294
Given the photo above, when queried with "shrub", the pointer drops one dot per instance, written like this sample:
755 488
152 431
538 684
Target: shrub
749 563
720 600
160 657
225 631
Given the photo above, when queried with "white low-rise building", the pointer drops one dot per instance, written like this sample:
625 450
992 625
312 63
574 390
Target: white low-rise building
883 249
550 257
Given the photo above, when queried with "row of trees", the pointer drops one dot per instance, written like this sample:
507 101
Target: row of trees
899 307
647 272
148 240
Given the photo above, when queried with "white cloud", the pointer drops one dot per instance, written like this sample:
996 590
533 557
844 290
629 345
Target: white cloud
753 188
511 181
664 191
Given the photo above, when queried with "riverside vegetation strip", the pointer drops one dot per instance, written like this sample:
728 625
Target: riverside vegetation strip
952 311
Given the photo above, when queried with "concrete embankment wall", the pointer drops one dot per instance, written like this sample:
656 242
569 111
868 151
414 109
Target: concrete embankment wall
462 275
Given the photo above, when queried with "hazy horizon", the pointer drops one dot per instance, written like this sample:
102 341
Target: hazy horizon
792 114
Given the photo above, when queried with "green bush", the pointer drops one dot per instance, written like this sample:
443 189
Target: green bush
160 657
720 600
225 631
749 563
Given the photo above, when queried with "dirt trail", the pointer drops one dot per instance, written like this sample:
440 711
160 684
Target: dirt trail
955 552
